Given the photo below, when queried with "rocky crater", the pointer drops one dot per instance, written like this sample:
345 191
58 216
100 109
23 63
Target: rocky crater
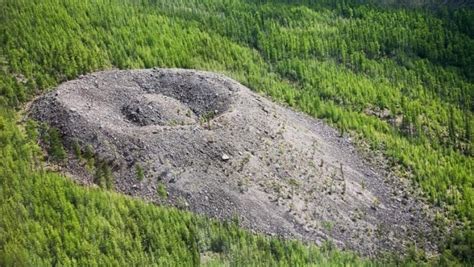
221 150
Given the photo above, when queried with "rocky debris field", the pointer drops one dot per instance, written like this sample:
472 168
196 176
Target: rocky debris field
221 150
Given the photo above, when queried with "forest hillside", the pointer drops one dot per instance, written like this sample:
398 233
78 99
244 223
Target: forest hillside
398 80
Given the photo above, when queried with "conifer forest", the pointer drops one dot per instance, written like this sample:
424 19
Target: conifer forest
395 76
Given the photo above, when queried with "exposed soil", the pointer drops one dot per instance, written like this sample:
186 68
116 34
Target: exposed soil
224 151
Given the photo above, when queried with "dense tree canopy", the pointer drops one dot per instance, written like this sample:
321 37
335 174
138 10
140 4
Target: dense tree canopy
398 79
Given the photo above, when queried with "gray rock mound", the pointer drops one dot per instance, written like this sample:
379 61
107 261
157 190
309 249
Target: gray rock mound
221 150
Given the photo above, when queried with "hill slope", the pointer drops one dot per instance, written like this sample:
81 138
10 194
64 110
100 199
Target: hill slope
401 80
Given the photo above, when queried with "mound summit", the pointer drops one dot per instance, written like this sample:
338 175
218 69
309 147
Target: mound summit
221 150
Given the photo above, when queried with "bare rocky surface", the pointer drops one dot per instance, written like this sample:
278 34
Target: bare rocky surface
221 150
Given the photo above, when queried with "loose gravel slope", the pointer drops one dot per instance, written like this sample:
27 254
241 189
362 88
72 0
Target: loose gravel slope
221 150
